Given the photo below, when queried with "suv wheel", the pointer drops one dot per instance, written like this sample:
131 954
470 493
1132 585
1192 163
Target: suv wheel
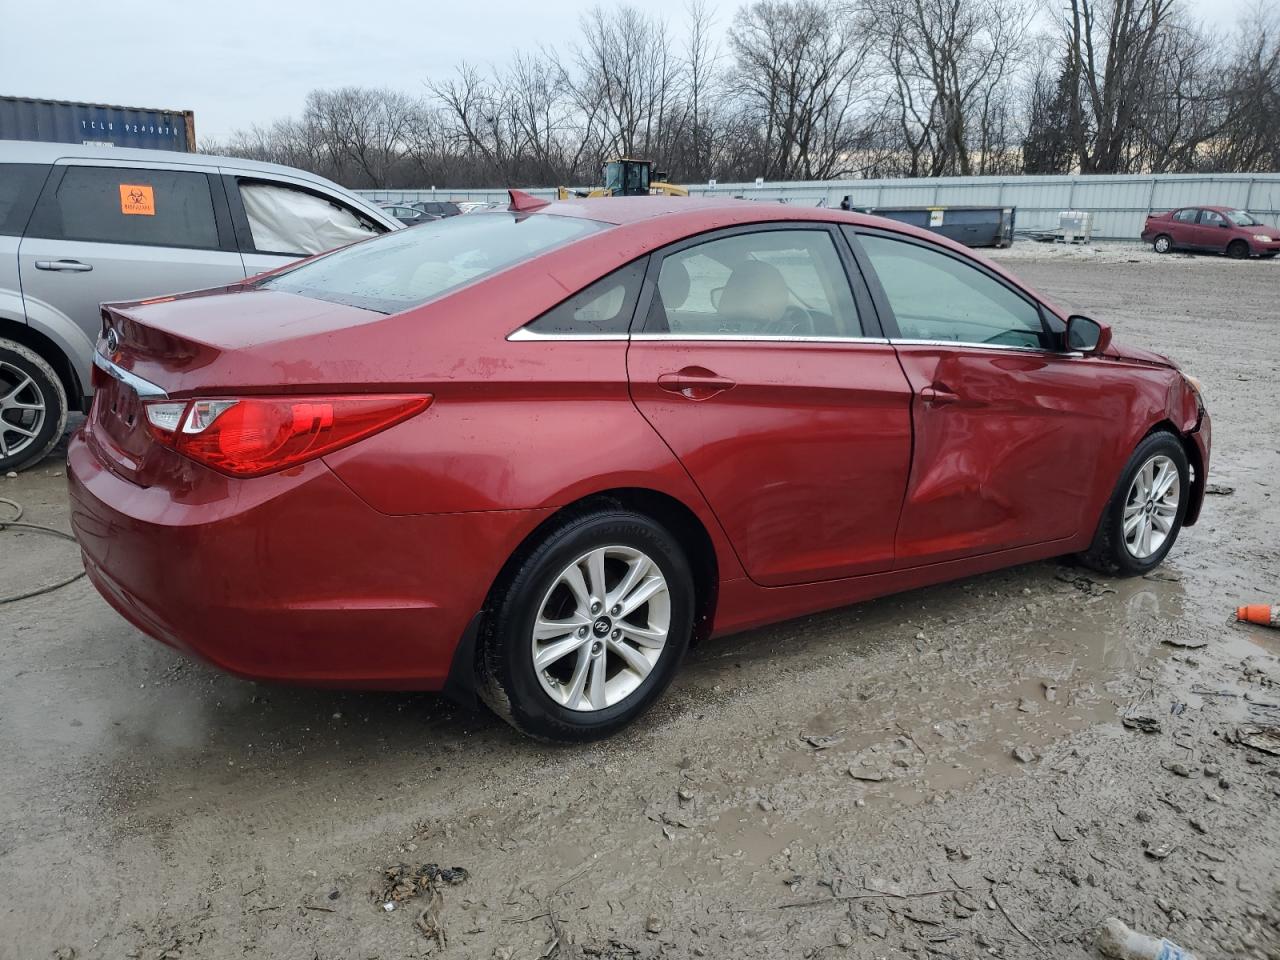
33 407
589 629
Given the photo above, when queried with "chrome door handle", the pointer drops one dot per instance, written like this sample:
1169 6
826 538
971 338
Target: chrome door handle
64 266
695 383
937 397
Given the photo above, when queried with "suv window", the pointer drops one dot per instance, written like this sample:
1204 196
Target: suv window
604 307
296 222
935 296
408 267
1186 216
770 283
158 208
19 185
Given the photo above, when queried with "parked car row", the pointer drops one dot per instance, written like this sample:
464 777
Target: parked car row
1234 232
84 225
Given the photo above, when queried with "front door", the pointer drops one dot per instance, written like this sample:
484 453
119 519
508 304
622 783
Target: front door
767 377
1008 430
1212 232
107 232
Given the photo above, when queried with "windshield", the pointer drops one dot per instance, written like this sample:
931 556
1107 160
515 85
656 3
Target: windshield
1242 219
409 267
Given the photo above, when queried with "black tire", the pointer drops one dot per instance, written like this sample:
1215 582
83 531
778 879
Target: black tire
507 680
24 368
1109 553
1238 250
1162 244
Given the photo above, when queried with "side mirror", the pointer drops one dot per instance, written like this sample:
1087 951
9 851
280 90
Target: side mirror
1087 335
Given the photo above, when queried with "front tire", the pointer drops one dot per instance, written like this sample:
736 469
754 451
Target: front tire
1142 519
1162 243
1238 250
33 407
588 628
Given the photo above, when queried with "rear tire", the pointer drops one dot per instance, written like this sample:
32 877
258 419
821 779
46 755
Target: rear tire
1162 243
33 407
1139 507
544 680
1238 250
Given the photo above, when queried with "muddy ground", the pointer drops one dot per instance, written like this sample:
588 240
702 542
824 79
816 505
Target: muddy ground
150 807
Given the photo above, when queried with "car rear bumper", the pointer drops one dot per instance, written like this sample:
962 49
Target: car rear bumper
290 577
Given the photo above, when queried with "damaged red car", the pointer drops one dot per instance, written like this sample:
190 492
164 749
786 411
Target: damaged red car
532 455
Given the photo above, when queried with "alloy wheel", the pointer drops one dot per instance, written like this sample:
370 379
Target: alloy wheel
601 628
1151 507
22 410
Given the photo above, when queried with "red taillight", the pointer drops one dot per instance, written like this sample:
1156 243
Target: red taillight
253 436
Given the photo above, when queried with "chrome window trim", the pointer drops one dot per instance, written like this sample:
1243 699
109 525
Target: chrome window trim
143 388
524 334
908 342
747 338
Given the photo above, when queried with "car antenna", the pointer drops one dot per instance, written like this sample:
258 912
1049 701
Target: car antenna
524 202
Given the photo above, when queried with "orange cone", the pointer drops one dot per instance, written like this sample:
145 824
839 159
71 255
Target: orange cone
1260 613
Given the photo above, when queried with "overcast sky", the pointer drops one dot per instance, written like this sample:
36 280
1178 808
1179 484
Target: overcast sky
241 62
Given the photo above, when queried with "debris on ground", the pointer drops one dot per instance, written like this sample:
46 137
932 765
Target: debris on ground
1264 737
429 922
1141 722
819 742
1025 754
1116 940
1218 490
403 882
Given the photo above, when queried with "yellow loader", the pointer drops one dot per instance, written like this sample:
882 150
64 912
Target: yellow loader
625 177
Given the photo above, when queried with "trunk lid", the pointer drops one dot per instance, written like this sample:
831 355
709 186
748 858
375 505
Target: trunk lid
206 344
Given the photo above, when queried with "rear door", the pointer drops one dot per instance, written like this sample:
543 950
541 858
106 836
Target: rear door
1008 429
278 221
19 186
105 231
1182 228
762 366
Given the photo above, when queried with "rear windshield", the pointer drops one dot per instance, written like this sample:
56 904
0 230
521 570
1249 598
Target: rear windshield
408 267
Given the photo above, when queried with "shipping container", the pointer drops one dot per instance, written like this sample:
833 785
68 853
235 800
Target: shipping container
96 124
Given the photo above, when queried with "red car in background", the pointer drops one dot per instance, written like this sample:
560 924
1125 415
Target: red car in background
533 454
1214 229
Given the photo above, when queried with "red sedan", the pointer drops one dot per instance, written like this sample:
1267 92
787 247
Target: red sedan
1236 233
533 454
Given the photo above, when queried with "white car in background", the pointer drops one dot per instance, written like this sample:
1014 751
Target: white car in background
80 226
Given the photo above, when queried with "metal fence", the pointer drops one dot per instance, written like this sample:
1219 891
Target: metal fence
1119 204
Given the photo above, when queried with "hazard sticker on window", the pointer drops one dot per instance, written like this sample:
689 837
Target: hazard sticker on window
137 199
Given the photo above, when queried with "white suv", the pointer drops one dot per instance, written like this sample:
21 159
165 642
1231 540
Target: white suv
80 226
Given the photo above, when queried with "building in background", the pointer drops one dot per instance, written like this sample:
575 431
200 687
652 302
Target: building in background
96 124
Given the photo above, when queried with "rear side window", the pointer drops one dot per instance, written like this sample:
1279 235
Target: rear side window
160 208
285 220
604 307
409 267
19 185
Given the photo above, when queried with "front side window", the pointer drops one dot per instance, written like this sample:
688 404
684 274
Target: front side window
19 184
409 267
935 296
288 221
164 208
770 283
1212 218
